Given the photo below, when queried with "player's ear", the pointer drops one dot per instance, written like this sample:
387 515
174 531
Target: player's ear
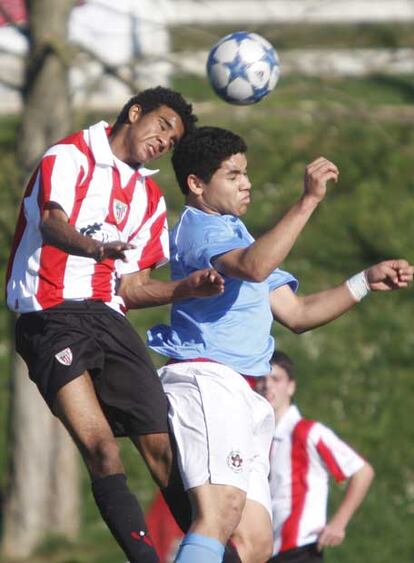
134 113
292 387
195 184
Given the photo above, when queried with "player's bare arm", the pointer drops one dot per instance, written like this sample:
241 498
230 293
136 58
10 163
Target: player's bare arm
257 261
334 532
302 313
138 290
57 231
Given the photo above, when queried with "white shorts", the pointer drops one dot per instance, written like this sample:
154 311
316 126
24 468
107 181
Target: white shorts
222 427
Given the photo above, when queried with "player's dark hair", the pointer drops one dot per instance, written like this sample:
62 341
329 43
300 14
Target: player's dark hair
285 362
153 98
202 152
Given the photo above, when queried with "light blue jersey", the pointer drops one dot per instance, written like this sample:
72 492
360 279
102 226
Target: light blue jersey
232 328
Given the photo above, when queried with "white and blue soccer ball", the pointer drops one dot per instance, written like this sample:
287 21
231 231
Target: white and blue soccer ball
243 68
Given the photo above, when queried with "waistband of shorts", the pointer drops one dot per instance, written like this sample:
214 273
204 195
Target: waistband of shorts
86 306
289 554
251 379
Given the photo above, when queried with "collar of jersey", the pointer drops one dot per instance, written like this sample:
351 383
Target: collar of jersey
98 135
288 421
226 217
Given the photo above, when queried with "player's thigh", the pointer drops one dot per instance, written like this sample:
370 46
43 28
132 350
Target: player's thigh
128 387
78 408
253 536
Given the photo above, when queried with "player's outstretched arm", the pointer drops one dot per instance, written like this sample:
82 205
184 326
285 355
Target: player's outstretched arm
302 313
334 532
138 290
256 262
56 231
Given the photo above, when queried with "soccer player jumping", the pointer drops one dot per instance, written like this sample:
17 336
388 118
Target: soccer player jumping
92 221
222 427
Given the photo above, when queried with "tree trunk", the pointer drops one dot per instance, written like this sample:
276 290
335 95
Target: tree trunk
47 112
43 492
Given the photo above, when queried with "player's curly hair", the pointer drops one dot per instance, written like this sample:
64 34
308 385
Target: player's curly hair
153 98
202 152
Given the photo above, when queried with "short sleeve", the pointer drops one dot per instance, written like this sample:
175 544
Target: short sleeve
61 170
279 277
340 459
213 240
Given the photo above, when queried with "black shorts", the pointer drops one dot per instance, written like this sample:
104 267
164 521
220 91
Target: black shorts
304 554
61 343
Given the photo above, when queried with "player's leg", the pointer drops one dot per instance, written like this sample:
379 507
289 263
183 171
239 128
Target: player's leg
253 535
214 452
217 510
78 408
61 347
157 453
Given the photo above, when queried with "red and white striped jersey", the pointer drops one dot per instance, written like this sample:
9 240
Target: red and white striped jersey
104 198
303 455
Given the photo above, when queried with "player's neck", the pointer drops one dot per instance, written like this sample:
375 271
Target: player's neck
281 411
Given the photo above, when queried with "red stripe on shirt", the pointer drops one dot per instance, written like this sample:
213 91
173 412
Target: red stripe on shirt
300 467
153 251
330 461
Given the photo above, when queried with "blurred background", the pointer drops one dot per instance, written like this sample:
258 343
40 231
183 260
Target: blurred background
346 92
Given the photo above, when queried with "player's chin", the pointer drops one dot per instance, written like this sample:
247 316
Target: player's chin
243 207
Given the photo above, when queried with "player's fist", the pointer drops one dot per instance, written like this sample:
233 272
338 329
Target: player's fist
331 535
204 283
317 174
114 250
389 275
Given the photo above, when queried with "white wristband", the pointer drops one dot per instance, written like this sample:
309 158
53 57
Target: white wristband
358 286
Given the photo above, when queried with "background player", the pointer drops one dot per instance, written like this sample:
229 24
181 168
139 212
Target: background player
303 455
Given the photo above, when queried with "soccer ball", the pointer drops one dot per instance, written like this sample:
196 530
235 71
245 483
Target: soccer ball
243 68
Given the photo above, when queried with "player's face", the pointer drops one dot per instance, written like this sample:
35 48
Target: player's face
277 388
151 135
228 191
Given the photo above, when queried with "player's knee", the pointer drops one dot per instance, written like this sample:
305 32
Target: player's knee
103 458
254 548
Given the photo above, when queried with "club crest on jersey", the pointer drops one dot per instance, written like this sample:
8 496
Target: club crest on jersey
119 209
64 357
235 461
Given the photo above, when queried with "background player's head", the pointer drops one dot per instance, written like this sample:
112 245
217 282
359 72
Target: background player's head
211 169
150 124
280 385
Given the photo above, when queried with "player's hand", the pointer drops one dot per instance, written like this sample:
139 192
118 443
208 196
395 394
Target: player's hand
205 283
317 174
332 534
115 250
389 275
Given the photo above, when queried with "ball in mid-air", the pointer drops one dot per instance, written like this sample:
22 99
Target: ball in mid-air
243 67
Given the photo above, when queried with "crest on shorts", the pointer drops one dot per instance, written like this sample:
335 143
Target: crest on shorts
235 461
119 209
65 357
